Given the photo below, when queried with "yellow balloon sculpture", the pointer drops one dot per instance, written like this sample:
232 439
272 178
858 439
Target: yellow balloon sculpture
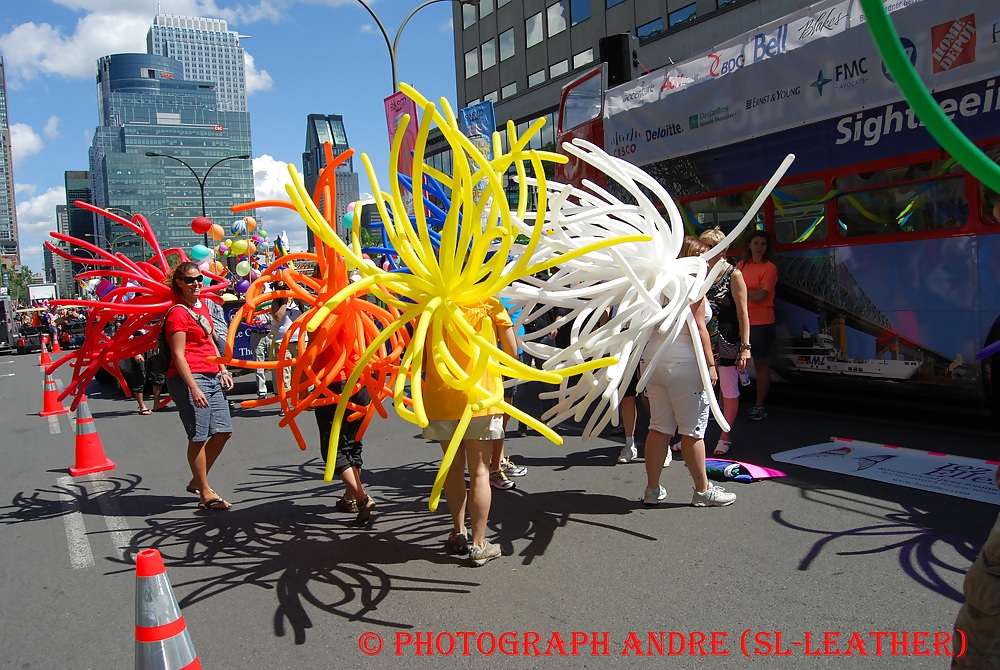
467 269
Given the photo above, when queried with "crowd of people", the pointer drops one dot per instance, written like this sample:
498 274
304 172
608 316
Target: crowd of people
734 323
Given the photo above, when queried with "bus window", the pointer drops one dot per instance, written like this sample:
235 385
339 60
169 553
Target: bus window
800 212
722 211
583 100
989 200
919 204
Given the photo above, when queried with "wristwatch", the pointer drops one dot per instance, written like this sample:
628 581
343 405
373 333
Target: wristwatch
744 346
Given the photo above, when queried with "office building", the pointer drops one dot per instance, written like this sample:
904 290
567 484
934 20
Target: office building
9 246
320 129
147 104
520 53
62 269
207 50
80 223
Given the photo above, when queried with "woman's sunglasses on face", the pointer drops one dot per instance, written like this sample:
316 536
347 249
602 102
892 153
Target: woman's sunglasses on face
193 280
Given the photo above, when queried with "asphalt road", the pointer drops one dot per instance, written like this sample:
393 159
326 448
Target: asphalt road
284 580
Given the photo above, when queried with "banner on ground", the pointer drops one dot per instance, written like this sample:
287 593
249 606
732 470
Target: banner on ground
958 476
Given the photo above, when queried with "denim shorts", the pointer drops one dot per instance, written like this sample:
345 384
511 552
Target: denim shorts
200 423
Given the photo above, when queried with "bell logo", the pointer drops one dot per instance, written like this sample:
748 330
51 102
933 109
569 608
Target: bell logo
954 43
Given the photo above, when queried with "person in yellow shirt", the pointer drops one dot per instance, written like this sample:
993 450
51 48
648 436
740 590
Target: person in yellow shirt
444 406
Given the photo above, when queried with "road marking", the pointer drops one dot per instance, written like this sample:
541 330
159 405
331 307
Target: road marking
54 428
121 535
80 554
9 374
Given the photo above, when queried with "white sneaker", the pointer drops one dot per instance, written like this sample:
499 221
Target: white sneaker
629 454
669 458
653 496
714 496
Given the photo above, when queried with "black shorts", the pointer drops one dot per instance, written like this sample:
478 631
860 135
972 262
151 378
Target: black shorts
761 340
631 391
349 446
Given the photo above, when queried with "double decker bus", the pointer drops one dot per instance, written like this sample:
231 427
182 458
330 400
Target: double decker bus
887 250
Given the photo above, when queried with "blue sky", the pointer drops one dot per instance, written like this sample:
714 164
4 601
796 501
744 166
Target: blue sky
308 57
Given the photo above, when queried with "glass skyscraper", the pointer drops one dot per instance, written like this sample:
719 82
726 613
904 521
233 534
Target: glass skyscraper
8 211
321 128
207 50
147 104
80 223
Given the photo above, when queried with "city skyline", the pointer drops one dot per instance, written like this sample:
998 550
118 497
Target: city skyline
51 51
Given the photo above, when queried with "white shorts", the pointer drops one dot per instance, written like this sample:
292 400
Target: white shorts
677 399
488 427
729 381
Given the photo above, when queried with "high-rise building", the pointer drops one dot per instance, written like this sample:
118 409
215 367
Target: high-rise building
146 104
208 50
320 129
62 268
8 210
520 53
80 223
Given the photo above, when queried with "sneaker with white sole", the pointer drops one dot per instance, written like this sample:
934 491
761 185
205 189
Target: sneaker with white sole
508 468
479 556
499 480
756 414
653 495
714 496
629 454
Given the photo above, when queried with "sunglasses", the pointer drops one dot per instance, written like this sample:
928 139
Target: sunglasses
193 280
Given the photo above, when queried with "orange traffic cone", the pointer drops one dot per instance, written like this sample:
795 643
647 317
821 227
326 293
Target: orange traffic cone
56 349
161 636
45 360
89 450
50 398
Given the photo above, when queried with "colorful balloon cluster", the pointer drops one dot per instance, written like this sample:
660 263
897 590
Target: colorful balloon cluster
250 251
336 345
139 302
466 269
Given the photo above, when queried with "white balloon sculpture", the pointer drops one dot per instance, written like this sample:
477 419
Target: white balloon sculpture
650 286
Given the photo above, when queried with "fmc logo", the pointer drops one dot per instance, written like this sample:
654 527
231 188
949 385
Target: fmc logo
845 75
911 52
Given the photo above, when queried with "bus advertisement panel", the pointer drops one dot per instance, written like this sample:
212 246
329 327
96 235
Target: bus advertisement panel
887 250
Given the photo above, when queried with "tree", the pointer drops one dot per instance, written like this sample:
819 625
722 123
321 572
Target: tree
18 284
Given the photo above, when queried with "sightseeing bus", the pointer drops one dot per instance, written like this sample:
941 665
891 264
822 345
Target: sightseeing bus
887 250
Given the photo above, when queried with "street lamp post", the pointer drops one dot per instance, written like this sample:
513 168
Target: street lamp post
395 42
128 215
201 180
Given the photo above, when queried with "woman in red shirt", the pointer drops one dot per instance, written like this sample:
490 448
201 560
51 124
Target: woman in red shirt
761 277
196 386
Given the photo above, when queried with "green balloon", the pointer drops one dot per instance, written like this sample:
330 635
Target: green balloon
919 98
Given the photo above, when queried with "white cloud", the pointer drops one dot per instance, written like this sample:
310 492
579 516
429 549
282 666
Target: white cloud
367 27
269 179
257 80
36 218
448 27
51 129
24 142
25 189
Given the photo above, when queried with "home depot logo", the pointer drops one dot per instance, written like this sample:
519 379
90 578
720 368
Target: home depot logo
954 43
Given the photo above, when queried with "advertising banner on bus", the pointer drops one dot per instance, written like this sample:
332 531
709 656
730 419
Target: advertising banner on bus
836 71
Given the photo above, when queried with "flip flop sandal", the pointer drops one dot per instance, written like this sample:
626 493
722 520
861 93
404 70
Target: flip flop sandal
195 491
214 505
145 412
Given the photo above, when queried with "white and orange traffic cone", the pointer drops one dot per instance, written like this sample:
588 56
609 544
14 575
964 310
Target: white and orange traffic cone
161 636
56 349
89 450
50 398
44 360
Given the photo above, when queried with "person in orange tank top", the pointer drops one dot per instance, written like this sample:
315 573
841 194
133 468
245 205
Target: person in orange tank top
761 277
